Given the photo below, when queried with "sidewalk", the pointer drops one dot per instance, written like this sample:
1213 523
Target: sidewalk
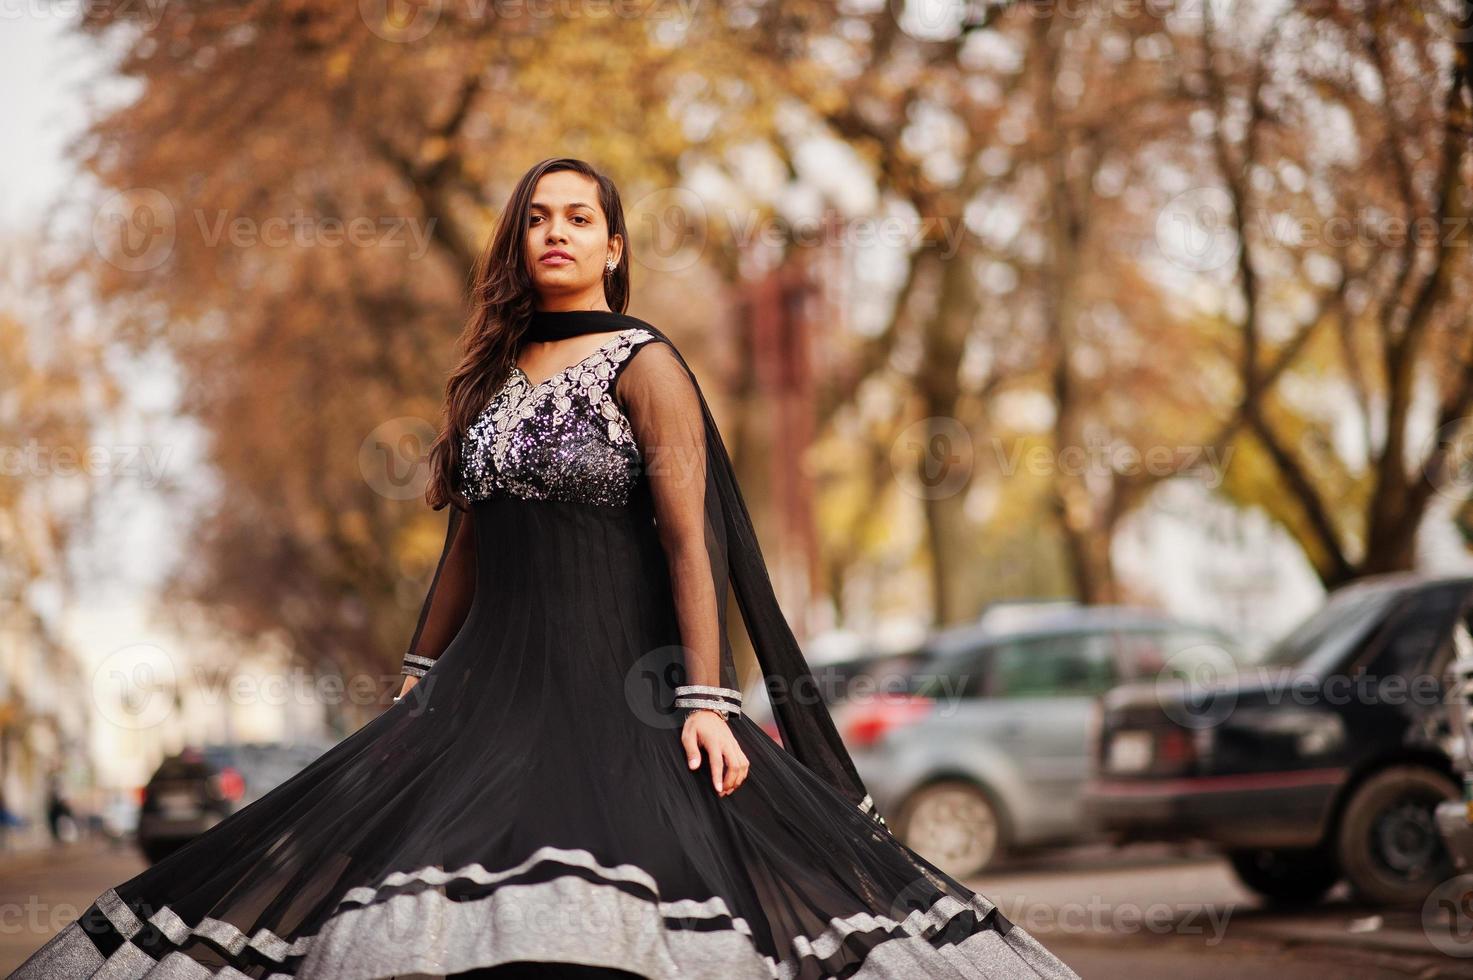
1086 897
23 860
1387 930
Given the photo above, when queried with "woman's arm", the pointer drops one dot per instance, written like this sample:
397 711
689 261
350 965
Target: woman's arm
448 600
664 413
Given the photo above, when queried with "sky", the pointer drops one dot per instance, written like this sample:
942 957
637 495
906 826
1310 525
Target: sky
44 73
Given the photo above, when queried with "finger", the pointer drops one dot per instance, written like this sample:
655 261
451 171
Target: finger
717 765
742 768
692 749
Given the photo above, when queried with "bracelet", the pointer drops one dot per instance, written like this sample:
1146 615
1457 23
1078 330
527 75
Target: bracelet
416 666
725 715
724 701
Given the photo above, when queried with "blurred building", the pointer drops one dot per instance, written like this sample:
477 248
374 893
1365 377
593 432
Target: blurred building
45 727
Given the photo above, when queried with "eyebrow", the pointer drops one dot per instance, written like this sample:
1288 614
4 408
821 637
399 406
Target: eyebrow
571 204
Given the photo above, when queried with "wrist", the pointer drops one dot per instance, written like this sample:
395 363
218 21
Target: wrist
725 701
416 666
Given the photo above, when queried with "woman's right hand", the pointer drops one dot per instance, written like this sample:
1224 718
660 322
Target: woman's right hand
705 729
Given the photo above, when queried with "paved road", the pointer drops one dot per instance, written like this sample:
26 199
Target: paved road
1136 916
1155 912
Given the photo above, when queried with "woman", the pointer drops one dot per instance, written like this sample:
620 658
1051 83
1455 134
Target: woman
567 785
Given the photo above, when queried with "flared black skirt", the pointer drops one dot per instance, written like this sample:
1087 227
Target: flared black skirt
529 802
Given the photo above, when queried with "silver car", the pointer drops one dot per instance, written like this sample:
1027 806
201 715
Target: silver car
987 750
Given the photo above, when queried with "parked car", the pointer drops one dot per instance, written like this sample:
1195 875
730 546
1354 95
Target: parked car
837 680
195 789
989 752
1325 759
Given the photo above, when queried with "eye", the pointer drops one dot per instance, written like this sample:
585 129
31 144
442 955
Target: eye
581 218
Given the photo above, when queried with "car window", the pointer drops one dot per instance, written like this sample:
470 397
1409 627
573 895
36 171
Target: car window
1418 630
1458 643
956 675
890 674
1322 641
1054 666
833 679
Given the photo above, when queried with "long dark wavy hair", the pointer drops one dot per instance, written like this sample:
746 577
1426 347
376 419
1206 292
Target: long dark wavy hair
501 302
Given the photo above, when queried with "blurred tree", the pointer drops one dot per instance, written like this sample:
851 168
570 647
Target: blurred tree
305 187
52 469
301 190
1342 144
1029 180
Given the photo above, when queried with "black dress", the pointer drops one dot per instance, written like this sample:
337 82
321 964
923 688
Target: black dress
529 801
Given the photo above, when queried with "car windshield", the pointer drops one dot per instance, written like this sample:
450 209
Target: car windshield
1323 640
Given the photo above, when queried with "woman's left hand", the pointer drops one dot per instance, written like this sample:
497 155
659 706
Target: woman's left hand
705 729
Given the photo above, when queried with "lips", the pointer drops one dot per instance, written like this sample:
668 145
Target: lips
555 257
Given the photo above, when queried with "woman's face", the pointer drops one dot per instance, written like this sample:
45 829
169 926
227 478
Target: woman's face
567 240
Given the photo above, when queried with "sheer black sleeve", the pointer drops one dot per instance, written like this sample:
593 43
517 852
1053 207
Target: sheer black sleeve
665 414
449 598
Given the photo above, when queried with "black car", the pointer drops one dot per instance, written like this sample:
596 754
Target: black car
1325 759
192 791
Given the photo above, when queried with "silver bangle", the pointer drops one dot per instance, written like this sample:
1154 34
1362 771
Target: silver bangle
415 665
725 701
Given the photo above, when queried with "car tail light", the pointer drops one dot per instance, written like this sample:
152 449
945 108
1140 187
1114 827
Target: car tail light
1149 752
230 783
868 723
1176 749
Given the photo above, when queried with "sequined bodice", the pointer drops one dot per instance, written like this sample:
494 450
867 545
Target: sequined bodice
564 438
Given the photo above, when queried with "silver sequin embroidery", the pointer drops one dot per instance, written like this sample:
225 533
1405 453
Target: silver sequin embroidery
563 438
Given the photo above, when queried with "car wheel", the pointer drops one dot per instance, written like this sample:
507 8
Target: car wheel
954 825
1286 877
1388 843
